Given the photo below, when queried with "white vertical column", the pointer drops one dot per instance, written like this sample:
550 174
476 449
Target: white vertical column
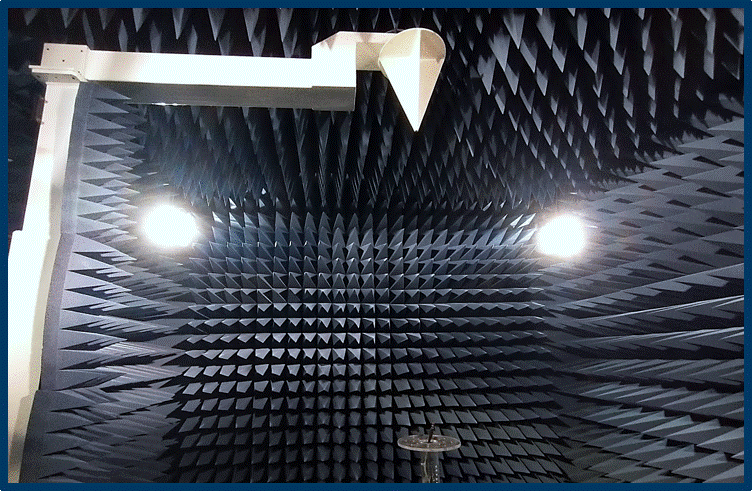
30 261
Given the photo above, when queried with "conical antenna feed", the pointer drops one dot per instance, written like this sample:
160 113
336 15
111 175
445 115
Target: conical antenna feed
411 61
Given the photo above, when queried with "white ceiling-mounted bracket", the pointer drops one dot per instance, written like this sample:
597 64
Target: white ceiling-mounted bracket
410 60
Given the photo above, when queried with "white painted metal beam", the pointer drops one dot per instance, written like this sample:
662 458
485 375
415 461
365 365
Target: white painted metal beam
30 261
411 61
206 80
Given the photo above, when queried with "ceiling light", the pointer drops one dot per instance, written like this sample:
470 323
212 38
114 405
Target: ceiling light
169 226
562 236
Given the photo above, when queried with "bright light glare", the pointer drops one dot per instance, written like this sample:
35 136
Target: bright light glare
563 236
169 226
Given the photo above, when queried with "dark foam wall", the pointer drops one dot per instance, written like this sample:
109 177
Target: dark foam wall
105 401
307 346
323 339
652 322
